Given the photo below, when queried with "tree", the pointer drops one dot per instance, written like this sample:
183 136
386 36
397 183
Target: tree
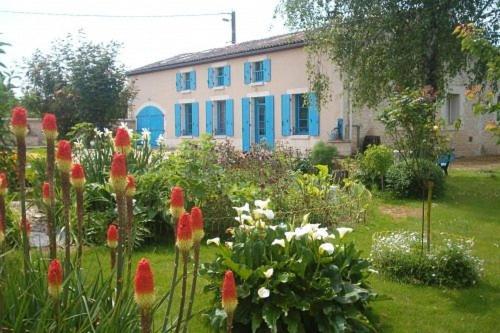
387 45
79 81
7 102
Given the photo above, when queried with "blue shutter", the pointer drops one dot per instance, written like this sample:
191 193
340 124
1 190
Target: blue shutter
209 116
270 121
227 75
177 120
267 70
193 80
229 117
196 119
210 79
178 82
313 115
247 68
285 115
245 117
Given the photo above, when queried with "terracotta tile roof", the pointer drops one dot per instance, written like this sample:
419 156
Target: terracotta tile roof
271 44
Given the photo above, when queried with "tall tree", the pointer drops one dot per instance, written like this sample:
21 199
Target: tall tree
383 45
79 81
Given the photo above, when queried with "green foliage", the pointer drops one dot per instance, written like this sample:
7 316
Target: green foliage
316 282
323 153
7 102
404 182
386 45
398 255
79 81
375 162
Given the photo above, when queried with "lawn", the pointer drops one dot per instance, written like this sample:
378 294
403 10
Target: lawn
471 208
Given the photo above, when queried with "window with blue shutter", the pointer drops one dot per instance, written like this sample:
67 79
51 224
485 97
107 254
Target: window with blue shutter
258 71
266 64
210 79
313 115
195 128
285 115
227 76
300 115
187 119
178 81
219 77
270 121
247 72
245 119
193 81
229 117
209 117
178 131
220 117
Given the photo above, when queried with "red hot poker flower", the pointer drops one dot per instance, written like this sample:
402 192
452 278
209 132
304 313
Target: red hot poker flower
77 176
112 236
19 121
144 294
229 294
130 192
118 177
49 126
184 234
177 201
55 278
197 224
4 184
122 141
46 193
63 156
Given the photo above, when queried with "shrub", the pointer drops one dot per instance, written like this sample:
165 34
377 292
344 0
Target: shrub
398 255
323 153
289 279
405 181
375 162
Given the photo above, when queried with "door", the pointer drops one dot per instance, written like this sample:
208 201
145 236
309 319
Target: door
152 119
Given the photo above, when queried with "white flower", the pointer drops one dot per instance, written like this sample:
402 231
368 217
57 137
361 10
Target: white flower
343 231
305 218
262 204
243 217
160 141
240 210
263 292
280 242
269 273
307 229
289 235
229 245
321 233
97 132
273 227
108 133
79 144
326 247
215 241
145 134
371 270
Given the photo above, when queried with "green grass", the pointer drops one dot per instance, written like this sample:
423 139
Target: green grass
471 208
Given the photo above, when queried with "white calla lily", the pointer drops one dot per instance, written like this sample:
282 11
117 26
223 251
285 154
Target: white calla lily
289 235
215 241
280 242
343 231
326 248
262 204
269 273
229 245
243 209
263 292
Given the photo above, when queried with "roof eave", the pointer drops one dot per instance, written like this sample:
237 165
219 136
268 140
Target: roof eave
293 45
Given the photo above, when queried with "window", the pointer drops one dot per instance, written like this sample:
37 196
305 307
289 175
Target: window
300 115
186 81
187 119
220 118
452 108
258 71
219 77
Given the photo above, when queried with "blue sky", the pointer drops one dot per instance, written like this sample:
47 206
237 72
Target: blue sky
144 40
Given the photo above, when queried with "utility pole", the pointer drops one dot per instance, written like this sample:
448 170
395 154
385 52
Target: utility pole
233 27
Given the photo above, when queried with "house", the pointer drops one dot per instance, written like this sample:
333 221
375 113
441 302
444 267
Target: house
258 92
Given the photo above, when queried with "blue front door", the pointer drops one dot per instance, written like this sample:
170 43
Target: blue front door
152 119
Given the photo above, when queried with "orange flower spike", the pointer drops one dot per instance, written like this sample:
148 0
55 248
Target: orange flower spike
131 187
77 176
144 287
112 236
197 224
55 278
19 122
229 294
122 141
49 126
4 184
184 234
177 201
46 197
118 177
63 156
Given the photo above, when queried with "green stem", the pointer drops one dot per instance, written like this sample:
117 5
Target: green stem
51 228
79 215
130 235
145 321
193 285
185 257
174 282
430 185
65 186
21 172
229 322
113 258
120 201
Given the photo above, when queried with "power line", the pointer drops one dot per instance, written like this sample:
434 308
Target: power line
15 12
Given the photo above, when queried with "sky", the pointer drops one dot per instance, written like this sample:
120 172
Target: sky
144 40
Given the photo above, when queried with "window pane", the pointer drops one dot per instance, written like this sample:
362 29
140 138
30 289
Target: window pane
220 118
188 119
220 76
258 71
301 116
186 84
453 108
